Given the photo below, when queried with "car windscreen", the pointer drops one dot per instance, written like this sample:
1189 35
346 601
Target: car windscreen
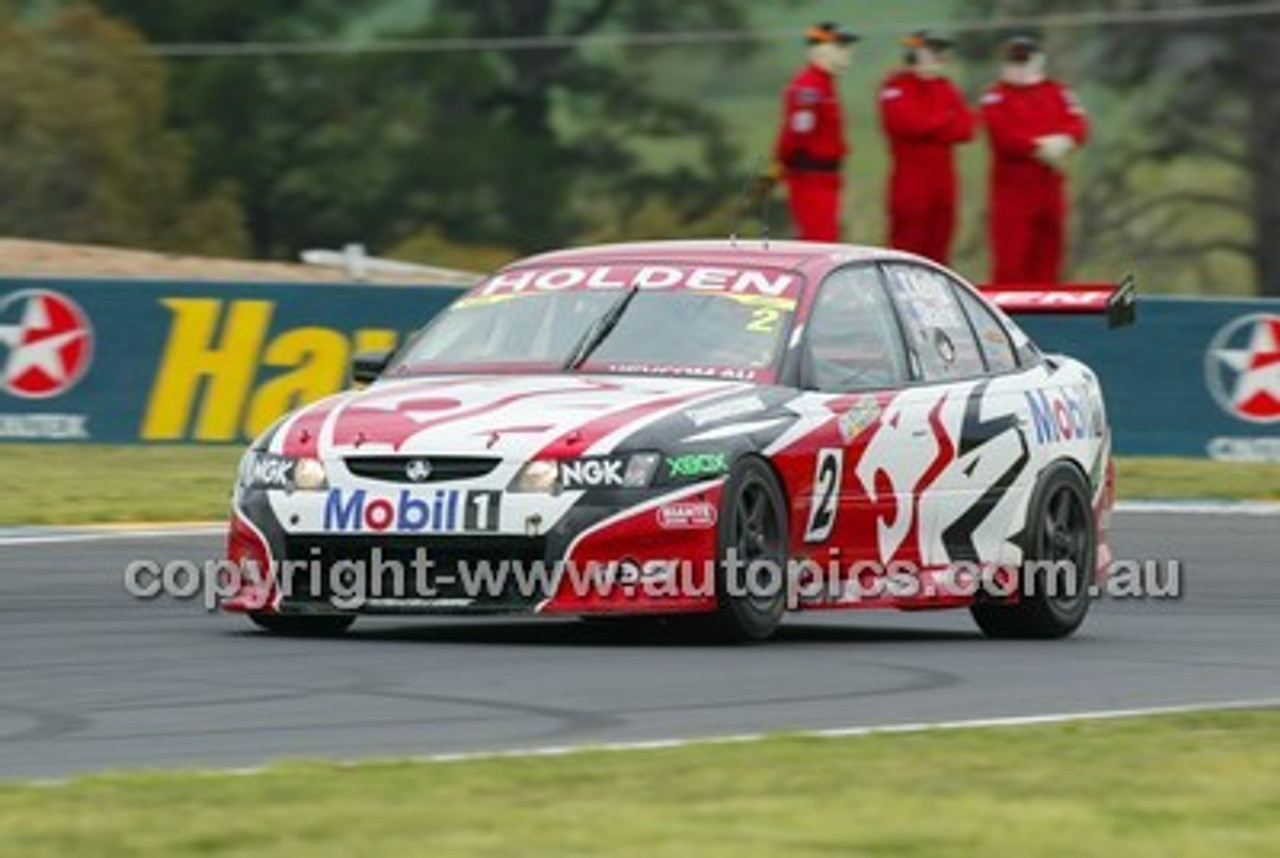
660 330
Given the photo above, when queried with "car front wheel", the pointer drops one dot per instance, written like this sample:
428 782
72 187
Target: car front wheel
751 591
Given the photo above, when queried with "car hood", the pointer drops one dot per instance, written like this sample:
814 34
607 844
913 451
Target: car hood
517 416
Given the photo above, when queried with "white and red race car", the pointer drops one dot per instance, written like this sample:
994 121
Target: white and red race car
716 431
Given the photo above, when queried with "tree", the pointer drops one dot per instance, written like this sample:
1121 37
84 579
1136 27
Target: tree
520 148
86 154
294 135
572 123
1187 173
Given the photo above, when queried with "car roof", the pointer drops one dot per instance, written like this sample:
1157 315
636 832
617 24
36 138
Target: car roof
812 259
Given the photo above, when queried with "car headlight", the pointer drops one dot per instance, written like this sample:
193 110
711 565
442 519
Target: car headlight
259 470
540 476
548 476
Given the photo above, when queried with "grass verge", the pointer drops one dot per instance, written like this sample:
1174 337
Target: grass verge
89 484
1195 478
1192 785
93 483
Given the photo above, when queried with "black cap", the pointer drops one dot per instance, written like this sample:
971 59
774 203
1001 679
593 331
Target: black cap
928 39
829 32
1020 49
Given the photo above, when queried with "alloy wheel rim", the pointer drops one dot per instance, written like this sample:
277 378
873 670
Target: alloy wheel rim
757 536
1063 539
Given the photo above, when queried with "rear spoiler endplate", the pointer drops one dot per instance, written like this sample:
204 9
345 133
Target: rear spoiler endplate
1119 303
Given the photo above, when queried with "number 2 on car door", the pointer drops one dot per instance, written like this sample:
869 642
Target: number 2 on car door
826 495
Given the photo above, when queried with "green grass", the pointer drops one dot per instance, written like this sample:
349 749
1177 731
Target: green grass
96 484
1203 785
1139 478
82 484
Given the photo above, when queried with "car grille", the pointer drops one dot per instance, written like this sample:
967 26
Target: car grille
318 580
394 469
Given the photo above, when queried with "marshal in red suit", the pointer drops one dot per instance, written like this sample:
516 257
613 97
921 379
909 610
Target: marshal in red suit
925 118
811 145
1034 124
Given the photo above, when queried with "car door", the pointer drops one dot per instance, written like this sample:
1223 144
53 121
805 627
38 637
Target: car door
968 415
853 364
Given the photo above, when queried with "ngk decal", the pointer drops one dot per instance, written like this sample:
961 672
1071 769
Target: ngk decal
591 473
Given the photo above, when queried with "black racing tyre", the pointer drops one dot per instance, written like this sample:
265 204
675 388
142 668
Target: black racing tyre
1060 545
753 529
303 625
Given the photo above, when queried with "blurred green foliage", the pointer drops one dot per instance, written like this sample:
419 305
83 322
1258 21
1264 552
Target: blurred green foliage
506 148
483 154
86 153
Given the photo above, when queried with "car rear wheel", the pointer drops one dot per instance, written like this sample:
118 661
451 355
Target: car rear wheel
751 591
300 626
1060 551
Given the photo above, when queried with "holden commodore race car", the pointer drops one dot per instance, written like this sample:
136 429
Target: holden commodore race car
716 432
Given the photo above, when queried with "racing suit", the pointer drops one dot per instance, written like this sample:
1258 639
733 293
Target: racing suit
925 118
811 148
1029 206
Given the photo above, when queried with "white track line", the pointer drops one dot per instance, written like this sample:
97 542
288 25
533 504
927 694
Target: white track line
39 538
853 732
1241 508
1007 722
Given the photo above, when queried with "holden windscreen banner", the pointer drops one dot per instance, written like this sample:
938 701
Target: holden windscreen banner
161 362
1194 377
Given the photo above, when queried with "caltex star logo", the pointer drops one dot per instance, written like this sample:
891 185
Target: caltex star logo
46 343
1243 368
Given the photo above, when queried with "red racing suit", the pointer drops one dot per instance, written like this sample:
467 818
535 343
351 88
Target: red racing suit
811 148
1029 208
925 119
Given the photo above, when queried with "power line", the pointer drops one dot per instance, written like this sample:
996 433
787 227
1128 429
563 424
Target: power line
1117 18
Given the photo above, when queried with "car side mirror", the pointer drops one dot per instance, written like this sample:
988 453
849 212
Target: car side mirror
367 366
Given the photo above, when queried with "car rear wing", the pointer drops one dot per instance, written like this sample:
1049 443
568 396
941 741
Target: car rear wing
1119 303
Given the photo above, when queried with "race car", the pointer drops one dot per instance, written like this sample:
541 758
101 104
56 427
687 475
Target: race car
716 433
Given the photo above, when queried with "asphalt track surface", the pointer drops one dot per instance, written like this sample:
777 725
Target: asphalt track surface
92 679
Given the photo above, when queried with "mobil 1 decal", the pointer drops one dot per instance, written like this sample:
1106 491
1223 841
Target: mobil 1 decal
441 511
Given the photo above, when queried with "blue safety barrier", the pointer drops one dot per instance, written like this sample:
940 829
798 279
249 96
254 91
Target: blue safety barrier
142 361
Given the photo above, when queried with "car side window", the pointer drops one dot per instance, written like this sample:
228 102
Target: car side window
993 338
937 330
852 339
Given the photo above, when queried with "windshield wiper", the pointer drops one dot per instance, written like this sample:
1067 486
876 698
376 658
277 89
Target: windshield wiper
599 330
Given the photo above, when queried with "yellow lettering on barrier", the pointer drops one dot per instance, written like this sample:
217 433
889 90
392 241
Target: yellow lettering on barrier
212 359
194 362
319 360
